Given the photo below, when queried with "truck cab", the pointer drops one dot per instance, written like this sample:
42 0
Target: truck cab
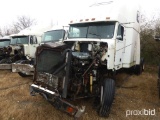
25 67
105 40
4 47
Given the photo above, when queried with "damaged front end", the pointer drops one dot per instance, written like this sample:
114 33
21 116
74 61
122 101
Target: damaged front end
51 78
70 71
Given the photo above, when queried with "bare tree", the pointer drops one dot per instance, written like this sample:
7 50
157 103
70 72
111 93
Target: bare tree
22 23
5 31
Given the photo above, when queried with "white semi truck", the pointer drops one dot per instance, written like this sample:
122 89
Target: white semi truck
99 44
4 47
23 46
26 67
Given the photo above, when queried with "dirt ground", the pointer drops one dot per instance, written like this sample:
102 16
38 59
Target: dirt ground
133 95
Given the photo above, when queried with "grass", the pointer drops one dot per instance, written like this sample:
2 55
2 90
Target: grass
133 93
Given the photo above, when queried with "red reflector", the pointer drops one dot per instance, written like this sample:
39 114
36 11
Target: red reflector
93 19
107 17
69 109
86 19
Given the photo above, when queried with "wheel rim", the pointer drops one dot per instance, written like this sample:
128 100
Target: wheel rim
143 67
101 97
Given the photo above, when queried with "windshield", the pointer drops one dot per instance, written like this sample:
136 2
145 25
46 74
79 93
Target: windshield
4 43
101 30
54 35
20 40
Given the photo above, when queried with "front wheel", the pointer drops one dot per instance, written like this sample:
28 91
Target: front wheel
23 74
106 97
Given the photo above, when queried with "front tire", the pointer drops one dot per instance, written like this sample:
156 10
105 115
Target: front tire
106 97
23 75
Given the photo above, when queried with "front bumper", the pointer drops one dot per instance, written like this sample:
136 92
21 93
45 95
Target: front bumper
57 101
24 68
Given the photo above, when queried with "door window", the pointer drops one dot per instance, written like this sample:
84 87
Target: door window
120 32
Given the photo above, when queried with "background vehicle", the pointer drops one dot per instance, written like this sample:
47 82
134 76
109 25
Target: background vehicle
56 34
26 67
4 46
24 45
85 65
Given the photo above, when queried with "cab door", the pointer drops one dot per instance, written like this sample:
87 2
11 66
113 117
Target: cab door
120 43
33 46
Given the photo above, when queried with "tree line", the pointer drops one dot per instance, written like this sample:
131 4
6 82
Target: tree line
150 48
21 23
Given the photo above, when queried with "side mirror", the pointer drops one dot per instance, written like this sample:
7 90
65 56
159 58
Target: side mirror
119 37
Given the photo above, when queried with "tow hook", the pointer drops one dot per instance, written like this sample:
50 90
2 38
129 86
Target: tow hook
80 112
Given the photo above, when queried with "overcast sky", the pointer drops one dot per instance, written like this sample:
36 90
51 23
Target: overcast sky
57 10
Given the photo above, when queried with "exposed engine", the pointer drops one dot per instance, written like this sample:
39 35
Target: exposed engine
12 54
85 61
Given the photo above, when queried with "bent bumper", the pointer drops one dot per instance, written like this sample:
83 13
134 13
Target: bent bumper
57 101
24 68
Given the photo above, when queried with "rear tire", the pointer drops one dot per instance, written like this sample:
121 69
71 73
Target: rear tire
138 69
106 97
142 64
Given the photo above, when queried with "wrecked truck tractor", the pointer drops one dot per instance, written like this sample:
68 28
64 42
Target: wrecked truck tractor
26 67
4 47
24 46
5 61
23 67
99 45
22 64
5 52
70 75
13 54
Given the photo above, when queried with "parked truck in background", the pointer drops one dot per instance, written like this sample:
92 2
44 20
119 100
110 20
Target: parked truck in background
99 44
24 46
4 47
26 67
